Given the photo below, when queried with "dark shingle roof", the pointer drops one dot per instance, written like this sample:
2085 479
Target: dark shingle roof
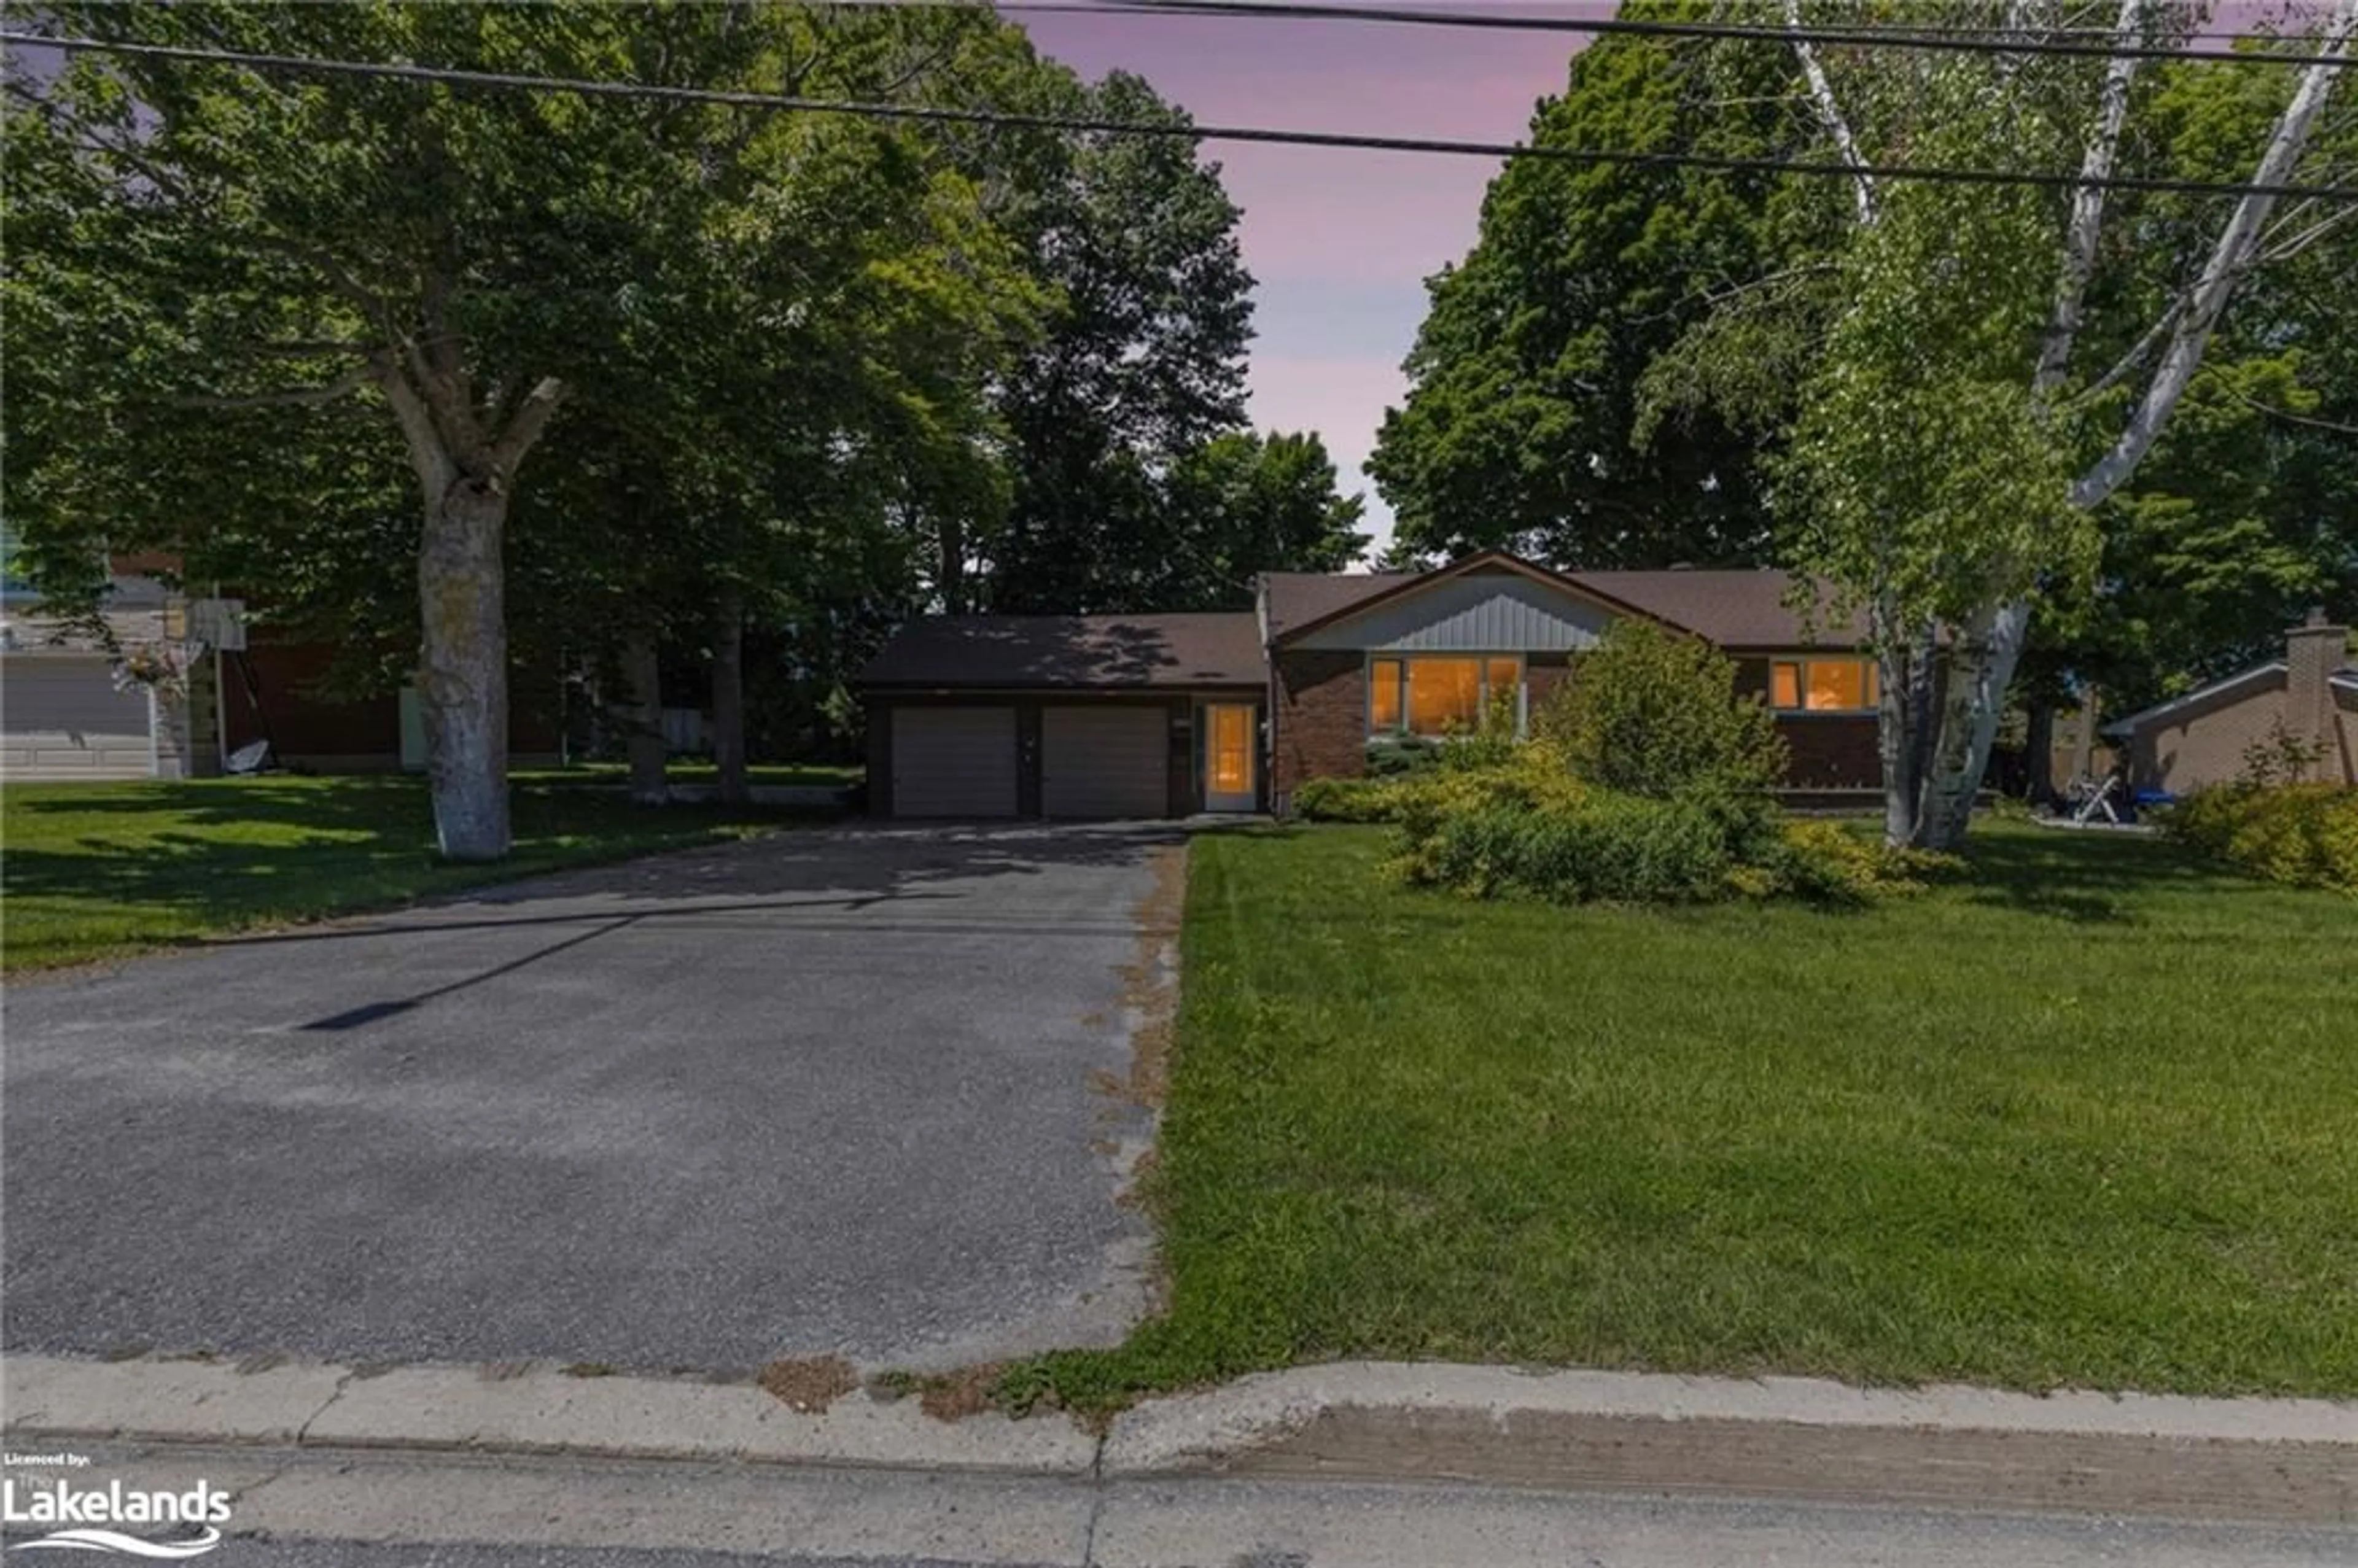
1733 608
1221 648
1296 599
1743 609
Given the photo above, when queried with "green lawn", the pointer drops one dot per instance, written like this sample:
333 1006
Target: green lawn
97 870
2090 1118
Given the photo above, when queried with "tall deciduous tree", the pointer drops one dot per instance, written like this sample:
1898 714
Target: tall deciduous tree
459 258
260 297
1241 505
1522 425
1954 443
1142 360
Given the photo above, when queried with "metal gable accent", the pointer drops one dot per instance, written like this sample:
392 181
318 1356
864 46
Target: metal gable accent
1480 612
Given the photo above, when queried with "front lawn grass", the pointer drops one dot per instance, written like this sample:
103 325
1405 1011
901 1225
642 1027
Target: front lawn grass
102 870
2089 1118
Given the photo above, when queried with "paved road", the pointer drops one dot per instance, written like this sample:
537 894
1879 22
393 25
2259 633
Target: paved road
358 1509
835 1090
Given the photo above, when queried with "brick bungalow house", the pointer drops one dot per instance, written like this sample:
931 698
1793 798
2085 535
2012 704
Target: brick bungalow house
1169 715
2309 695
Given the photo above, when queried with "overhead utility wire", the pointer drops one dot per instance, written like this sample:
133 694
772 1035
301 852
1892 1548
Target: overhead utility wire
1893 36
1776 28
1087 125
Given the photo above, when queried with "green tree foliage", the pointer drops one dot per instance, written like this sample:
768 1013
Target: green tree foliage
259 308
1243 503
1522 426
1142 360
1654 713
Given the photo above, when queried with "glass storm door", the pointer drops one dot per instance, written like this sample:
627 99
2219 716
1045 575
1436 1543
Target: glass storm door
1228 757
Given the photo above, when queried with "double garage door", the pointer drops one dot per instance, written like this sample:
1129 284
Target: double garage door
1104 760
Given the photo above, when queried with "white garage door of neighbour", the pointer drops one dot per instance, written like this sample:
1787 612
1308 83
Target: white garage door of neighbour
1104 762
66 721
954 761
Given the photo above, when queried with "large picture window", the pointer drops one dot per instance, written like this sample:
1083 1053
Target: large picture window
1438 694
1823 686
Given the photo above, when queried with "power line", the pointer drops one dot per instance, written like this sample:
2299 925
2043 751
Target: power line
1088 124
1897 35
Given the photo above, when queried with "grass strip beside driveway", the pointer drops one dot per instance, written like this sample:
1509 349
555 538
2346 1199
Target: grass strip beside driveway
100 870
2088 1119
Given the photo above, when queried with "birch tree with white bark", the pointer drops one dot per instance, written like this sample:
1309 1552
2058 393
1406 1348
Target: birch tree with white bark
1951 445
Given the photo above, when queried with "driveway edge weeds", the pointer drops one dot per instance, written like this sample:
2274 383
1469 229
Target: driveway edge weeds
2284 1460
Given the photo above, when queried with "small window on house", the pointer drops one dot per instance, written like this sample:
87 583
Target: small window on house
1823 686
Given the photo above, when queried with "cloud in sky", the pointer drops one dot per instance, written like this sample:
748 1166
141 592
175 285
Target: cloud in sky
1339 240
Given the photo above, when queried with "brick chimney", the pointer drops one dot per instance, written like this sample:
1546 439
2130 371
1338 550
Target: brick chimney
2313 651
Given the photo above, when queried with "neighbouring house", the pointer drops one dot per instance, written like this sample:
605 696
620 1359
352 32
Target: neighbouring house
2309 697
63 717
61 714
1169 715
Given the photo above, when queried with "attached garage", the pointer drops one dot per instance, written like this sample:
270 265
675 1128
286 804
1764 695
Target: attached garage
1106 717
953 761
1105 761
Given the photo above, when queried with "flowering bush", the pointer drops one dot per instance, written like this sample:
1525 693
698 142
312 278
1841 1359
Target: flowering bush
2305 835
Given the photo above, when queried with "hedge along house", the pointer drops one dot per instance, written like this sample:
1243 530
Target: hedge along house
1169 715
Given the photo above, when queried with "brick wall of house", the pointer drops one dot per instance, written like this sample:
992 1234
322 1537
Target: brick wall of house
1828 751
1321 717
303 725
1322 723
363 734
2204 743
1831 750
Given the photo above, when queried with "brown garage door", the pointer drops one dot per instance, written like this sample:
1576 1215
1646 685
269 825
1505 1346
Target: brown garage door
1105 762
954 761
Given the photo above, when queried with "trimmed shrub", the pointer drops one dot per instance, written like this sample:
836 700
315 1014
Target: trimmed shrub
1650 713
1393 756
1530 827
1349 800
1827 863
2304 835
1605 845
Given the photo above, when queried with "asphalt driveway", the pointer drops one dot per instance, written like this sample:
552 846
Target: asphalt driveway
849 1090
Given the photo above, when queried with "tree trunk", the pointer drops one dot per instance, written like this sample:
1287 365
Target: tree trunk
728 693
463 678
2038 753
1981 666
951 537
642 717
1895 741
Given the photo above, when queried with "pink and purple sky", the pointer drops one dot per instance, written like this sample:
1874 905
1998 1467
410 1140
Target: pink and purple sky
1340 241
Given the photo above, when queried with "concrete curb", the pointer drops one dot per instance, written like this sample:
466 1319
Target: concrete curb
1268 1409
1774 1437
1780 1437
533 1411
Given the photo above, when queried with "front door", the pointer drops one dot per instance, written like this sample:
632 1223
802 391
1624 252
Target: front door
1229 784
